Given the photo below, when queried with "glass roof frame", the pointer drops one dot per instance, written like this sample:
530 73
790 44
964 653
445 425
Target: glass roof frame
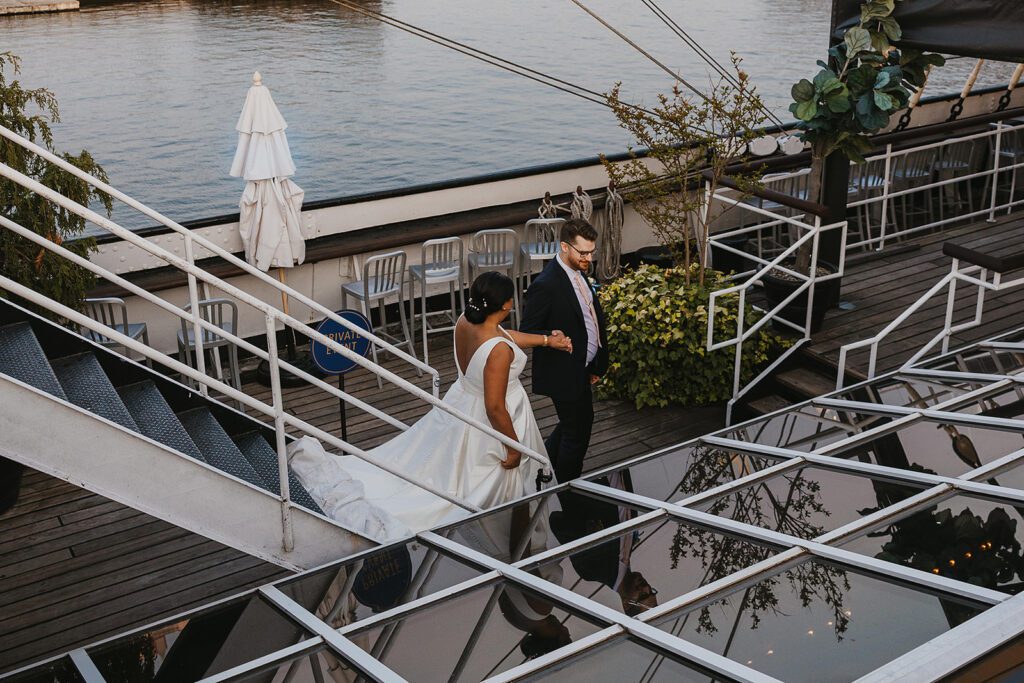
792 550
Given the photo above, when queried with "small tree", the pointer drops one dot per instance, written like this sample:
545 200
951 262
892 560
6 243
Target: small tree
29 113
682 136
864 82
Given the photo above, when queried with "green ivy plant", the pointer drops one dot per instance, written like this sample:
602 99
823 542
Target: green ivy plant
29 113
865 81
657 321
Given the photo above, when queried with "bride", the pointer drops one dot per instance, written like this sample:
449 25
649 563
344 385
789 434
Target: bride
442 450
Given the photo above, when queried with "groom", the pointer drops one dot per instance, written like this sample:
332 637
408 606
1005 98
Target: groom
562 298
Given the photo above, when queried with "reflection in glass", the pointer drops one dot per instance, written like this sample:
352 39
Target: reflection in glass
808 502
316 667
818 622
59 671
687 471
633 571
938 448
909 391
807 428
474 635
199 645
982 360
964 538
1008 403
347 592
622 660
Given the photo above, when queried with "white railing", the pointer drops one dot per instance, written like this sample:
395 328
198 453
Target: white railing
807 233
969 274
884 194
272 316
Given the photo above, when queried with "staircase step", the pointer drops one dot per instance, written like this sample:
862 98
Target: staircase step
217 447
263 458
87 386
22 358
806 382
155 418
768 404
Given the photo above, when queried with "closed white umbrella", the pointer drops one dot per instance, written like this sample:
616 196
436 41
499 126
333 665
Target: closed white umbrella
269 225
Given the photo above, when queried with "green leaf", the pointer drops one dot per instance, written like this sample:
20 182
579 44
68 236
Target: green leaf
891 29
883 101
882 79
803 91
825 80
805 111
857 40
861 79
839 103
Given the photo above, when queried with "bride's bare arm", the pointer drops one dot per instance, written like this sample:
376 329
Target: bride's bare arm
496 372
555 340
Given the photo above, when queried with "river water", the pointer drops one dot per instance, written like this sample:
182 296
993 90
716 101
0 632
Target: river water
153 88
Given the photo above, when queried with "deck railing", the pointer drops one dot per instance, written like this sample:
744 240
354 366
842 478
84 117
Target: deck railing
273 317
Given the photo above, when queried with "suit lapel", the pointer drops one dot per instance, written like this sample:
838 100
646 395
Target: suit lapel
568 290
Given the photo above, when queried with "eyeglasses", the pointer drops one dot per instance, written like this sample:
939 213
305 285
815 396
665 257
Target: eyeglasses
583 254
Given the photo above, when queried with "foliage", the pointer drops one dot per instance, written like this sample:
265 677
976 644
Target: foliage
131 661
684 135
788 504
29 113
865 80
657 329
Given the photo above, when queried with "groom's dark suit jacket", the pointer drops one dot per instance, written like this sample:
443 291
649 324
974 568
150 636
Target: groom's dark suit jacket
552 304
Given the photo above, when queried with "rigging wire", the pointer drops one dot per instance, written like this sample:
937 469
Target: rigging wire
488 58
704 54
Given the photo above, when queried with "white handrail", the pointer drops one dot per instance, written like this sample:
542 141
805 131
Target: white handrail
193 237
260 305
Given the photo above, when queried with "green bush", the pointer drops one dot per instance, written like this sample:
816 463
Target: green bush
657 332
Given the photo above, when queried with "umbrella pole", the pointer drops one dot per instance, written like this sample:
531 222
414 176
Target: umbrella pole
290 337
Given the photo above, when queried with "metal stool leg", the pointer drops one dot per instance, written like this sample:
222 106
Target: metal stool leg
423 318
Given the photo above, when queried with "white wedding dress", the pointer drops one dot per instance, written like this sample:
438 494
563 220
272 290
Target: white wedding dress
440 450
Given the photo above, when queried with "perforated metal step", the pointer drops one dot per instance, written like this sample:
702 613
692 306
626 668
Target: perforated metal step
87 386
22 358
155 418
217 447
262 456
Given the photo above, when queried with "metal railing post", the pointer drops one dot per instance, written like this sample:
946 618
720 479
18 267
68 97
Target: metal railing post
287 532
950 301
812 276
885 197
995 173
197 330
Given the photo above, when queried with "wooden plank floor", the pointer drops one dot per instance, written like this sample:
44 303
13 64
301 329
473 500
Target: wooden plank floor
881 286
76 567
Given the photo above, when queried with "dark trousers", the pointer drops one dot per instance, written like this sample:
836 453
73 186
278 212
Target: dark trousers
568 443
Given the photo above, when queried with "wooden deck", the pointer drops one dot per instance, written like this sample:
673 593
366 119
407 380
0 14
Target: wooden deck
882 285
76 567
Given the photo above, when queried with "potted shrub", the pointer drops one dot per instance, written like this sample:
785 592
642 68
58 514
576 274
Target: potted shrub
864 82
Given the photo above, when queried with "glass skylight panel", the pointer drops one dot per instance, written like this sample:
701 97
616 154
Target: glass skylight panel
909 391
1006 403
519 531
59 671
981 359
939 448
969 539
346 592
323 664
820 623
473 635
634 571
623 659
680 474
200 644
805 429
809 501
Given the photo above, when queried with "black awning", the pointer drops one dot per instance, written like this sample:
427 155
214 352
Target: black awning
993 29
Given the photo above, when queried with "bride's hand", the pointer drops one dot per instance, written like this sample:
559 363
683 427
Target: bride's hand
558 340
511 460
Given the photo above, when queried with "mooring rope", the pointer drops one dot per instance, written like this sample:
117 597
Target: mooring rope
582 205
609 241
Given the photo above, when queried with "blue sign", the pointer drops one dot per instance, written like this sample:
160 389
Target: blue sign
331 362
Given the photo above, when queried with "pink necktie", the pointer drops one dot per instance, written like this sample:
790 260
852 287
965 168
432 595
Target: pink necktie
590 304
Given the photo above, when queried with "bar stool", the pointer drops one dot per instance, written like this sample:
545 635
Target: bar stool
496 250
440 262
222 313
541 244
112 312
383 275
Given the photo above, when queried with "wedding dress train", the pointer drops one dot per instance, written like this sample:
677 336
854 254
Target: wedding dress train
440 450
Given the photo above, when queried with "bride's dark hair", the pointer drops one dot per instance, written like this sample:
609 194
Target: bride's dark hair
488 294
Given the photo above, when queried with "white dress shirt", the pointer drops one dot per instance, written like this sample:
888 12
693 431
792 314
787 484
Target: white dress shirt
586 301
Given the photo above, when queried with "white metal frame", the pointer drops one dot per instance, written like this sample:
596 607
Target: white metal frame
275 411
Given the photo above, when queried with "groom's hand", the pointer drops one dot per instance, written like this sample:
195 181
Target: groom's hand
558 340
